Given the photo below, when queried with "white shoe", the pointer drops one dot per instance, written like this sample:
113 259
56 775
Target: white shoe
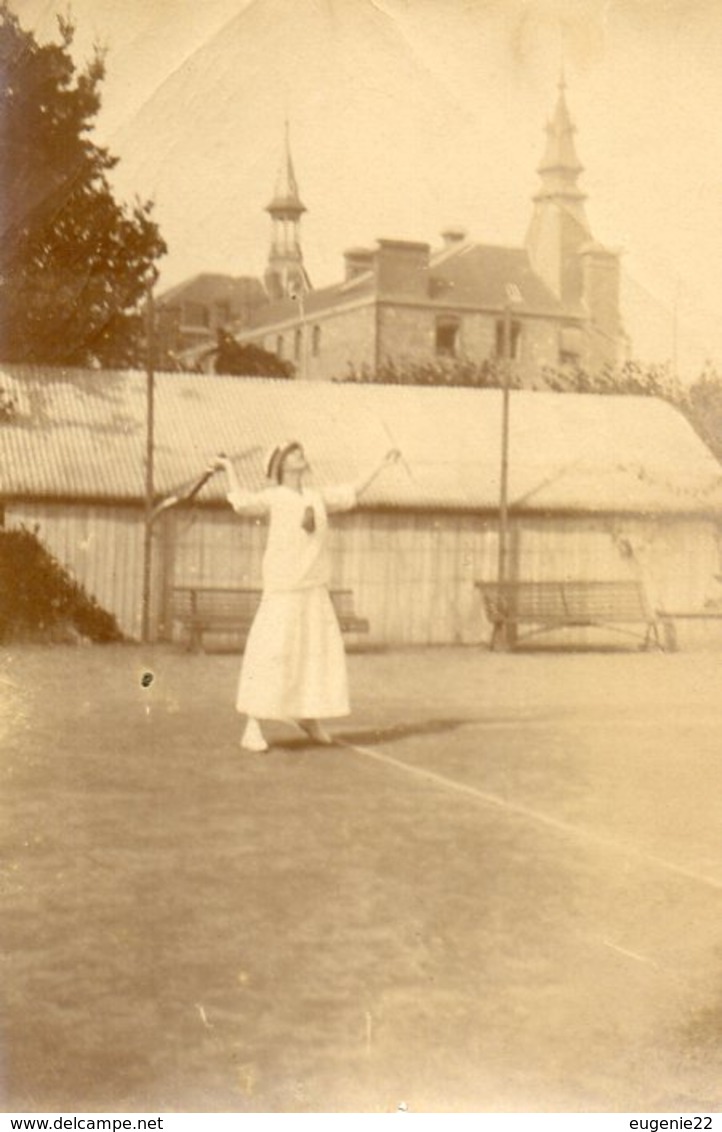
253 738
316 731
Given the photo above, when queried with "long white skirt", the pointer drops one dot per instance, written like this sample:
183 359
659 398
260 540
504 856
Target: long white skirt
294 664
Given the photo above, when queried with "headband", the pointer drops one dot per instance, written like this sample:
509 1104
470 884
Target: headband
274 463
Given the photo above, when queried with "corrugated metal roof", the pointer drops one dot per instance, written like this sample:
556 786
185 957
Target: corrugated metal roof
82 434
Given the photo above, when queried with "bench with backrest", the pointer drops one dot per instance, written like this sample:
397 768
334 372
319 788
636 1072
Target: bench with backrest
668 619
208 609
540 607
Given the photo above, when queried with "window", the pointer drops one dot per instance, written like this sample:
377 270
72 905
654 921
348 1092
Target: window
515 336
316 341
447 336
297 345
570 346
279 346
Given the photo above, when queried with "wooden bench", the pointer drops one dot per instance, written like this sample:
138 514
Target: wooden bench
544 606
206 609
667 619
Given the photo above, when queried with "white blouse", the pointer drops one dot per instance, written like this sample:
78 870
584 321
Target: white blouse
295 558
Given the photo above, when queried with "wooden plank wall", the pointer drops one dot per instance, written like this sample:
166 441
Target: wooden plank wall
412 573
102 547
676 558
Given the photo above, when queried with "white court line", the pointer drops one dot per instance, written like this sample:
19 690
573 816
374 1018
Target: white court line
629 954
537 816
586 724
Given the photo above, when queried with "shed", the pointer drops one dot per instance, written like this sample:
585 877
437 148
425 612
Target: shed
587 475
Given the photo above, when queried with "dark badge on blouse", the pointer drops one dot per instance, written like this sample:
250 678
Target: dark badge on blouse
309 520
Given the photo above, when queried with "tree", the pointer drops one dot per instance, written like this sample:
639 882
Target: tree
74 264
703 408
631 378
240 360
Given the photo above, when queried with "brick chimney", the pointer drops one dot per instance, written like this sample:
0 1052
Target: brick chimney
358 261
402 268
453 236
601 285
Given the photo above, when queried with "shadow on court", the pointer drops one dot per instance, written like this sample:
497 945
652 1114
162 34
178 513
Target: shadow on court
501 890
392 734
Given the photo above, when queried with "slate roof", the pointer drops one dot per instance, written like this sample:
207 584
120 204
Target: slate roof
479 274
210 288
314 302
467 275
79 434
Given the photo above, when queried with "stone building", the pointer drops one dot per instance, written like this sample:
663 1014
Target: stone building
189 315
403 301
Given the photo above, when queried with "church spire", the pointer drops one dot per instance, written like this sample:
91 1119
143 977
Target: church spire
285 274
559 227
560 167
286 197
562 251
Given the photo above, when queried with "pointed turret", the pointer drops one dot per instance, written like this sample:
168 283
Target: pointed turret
583 275
560 167
559 226
285 275
286 196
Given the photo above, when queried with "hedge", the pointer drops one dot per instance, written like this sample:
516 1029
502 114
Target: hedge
37 595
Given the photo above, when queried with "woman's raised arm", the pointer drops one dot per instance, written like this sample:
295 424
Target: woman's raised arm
241 500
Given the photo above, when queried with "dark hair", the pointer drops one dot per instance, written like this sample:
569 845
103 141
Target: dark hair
274 468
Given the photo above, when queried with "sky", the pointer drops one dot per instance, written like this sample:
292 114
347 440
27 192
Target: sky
407 116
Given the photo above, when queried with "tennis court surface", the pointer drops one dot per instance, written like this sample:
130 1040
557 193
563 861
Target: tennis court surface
501 891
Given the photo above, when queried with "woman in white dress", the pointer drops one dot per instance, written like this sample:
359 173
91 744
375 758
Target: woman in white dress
294 663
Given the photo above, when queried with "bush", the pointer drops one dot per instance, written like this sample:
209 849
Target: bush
38 598
486 374
236 360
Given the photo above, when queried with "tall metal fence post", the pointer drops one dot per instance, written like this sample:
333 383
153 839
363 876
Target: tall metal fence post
501 629
149 471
